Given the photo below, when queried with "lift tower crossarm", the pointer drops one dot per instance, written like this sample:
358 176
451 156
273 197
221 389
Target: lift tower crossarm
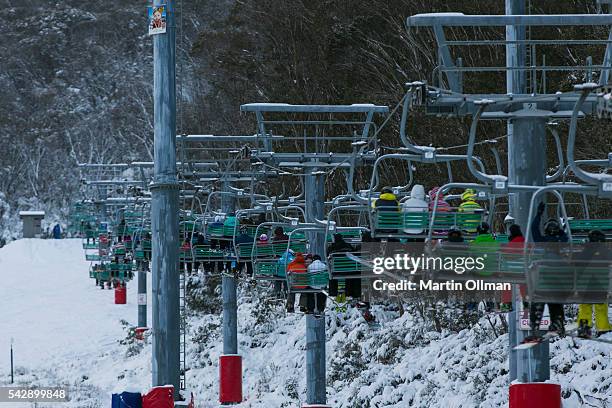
195 165
215 138
285 107
463 20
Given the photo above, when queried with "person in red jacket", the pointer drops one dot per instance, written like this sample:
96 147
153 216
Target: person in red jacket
185 251
516 243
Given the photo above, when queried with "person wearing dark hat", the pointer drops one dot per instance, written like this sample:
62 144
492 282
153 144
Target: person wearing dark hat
387 203
339 245
387 200
484 234
279 235
552 234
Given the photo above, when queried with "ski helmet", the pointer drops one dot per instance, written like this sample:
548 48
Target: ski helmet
552 227
597 236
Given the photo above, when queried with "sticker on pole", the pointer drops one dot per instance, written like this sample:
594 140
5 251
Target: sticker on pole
524 323
142 299
157 20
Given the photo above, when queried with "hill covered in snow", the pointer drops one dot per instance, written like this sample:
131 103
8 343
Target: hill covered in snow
68 332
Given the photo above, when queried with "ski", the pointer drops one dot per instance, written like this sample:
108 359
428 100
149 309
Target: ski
596 339
535 341
570 329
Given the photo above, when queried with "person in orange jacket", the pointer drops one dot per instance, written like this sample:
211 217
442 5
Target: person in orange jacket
298 265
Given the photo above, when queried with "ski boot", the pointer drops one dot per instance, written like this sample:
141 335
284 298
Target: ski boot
364 308
584 330
555 330
368 316
340 302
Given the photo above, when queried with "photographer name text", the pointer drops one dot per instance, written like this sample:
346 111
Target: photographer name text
430 285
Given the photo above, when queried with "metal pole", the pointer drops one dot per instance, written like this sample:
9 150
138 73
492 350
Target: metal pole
515 84
164 211
12 372
230 316
315 326
228 290
142 294
526 165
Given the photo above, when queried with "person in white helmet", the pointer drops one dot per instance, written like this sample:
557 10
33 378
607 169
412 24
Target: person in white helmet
415 204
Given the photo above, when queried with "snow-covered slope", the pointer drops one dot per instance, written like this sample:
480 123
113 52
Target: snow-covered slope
66 332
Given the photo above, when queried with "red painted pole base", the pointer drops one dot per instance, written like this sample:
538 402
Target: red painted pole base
230 376
140 332
159 397
535 395
120 295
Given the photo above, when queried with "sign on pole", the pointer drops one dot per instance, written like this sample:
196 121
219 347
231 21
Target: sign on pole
157 19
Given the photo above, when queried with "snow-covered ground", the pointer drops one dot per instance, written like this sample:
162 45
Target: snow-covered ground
66 332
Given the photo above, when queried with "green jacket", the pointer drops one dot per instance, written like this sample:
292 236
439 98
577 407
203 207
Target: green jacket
484 238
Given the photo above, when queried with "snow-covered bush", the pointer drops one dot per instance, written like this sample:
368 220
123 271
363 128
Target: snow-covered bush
203 294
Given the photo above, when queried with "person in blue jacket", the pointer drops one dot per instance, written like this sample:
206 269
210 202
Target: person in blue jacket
57 231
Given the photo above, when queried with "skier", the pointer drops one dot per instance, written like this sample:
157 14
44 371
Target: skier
515 237
279 235
216 224
387 203
200 241
455 236
552 234
469 206
514 248
244 239
296 266
57 231
387 200
484 234
443 206
281 270
315 303
468 202
186 254
339 245
229 224
597 251
415 204
263 239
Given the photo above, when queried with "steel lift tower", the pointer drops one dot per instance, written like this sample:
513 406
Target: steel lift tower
526 105
164 211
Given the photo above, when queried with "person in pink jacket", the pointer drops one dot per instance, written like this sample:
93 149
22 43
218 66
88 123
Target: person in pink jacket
443 206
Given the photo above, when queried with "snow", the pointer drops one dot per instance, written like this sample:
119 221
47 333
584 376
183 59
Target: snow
58 320
66 332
